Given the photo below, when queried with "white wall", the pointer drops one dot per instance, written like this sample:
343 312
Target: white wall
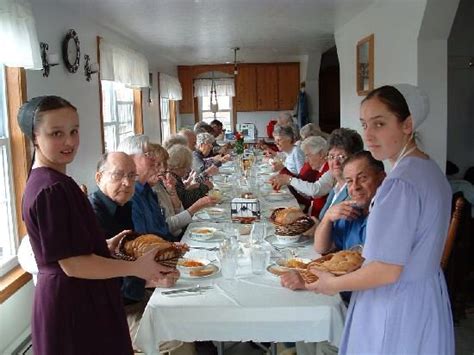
52 23
85 95
15 315
410 46
461 88
312 85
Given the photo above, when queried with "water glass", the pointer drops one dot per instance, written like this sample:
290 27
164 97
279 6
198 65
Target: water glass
259 231
259 258
229 266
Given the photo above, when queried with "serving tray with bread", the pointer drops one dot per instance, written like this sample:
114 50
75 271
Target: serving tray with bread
134 245
338 263
290 221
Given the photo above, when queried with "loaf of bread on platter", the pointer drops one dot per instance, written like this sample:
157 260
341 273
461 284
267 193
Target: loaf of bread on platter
339 263
132 246
288 216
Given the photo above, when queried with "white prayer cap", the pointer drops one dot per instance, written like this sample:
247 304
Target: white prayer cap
417 101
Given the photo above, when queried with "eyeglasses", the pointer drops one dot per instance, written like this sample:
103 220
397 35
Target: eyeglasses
117 176
341 158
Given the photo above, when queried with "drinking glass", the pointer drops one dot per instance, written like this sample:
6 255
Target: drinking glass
228 256
259 231
259 258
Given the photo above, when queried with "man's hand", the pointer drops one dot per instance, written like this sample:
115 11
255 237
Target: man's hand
343 210
292 280
168 281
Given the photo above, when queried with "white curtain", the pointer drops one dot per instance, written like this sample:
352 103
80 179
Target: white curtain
224 87
123 65
170 88
18 37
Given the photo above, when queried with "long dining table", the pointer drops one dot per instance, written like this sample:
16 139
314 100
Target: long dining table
247 307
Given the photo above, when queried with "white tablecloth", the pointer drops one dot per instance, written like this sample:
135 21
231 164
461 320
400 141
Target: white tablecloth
250 307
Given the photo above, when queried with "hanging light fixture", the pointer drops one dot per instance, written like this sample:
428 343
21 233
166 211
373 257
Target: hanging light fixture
235 49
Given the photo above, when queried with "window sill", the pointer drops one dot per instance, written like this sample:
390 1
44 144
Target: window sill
12 282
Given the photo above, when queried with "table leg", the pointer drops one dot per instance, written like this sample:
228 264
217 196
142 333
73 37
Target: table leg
273 348
220 348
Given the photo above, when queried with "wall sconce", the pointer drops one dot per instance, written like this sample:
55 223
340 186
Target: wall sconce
48 60
150 88
89 68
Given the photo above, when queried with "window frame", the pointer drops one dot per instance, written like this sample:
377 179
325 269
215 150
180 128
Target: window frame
15 80
138 127
200 101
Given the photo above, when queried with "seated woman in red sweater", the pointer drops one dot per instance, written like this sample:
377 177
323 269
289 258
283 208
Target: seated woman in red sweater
315 166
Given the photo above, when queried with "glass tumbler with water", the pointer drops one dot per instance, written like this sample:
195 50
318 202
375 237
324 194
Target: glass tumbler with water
259 258
259 231
228 255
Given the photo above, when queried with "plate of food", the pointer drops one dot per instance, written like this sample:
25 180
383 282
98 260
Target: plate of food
188 265
215 212
206 234
206 271
293 263
277 270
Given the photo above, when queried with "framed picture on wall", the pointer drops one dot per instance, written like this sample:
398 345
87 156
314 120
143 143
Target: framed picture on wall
365 65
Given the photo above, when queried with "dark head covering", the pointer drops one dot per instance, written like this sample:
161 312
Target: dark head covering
29 110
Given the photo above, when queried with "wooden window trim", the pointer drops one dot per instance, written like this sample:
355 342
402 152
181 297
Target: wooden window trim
15 79
137 112
173 116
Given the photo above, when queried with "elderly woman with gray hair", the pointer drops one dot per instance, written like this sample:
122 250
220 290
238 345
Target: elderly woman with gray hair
310 130
285 137
179 165
202 162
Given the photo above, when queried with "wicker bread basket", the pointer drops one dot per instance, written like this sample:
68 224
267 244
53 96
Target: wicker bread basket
167 254
339 263
300 226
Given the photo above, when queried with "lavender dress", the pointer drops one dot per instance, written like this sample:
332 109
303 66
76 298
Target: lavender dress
70 315
407 226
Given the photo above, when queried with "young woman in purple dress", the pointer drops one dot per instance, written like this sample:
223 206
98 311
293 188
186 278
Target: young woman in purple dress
77 303
401 303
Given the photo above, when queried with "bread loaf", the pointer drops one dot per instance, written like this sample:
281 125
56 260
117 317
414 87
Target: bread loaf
288 216
339 263
167 253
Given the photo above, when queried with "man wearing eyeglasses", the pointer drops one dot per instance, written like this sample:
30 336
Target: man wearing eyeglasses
115 177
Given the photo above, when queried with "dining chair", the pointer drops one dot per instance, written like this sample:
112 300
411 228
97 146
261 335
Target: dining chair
454 228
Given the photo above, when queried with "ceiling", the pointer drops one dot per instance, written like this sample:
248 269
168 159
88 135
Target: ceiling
204 31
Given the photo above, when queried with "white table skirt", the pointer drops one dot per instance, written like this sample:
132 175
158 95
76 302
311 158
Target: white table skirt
250 307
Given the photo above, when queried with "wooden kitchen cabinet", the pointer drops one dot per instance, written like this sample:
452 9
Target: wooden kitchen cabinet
246 88
267 87
185 76
288 85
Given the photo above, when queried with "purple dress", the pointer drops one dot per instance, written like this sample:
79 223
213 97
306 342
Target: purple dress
407 226
70 315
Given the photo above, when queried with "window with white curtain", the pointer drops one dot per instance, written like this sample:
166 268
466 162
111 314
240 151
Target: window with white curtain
118 113
8 228
224 114
165 118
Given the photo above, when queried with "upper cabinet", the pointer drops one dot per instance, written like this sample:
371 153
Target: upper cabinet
185 76
258 87
267 87
288 85
246 88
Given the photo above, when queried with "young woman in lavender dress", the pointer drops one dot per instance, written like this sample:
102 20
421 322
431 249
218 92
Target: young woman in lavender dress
77 303
400 303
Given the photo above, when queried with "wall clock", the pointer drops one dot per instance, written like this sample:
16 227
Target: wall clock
71 51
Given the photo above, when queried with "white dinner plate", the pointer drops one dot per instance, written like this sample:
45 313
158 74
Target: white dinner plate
218 236
304 240
215 269
277 195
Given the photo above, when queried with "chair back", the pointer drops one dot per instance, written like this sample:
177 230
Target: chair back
453 230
